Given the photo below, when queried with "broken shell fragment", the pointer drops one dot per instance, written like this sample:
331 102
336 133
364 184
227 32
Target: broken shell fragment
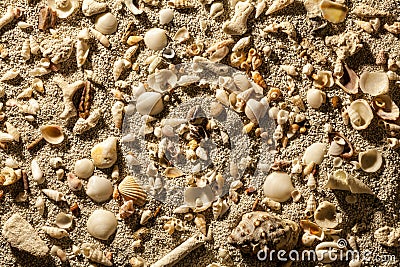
63 220
323 79
92 7
106 23
278 5
238 24
102 224
198 198
385 107
131 190
370 160
53 134
358 187
155 39
278 186
63 8
360 114
325 215
181 35
254 110
9 176
333 11
99 189
374 83
104 154
338 180
388 236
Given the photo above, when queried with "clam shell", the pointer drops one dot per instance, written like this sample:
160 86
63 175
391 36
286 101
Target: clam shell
155 39
166 16
149 103
181 35
374 83
332 11
254 110
278 186
315 98
84 168
312 228
315 152
194 194
102 224
131 190
325 215
173 172
106 23
53 134
63 11
63 220
99 189
370 160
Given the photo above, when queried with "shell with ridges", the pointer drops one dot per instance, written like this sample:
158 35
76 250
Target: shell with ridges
55 232
131 190
360 114
106 23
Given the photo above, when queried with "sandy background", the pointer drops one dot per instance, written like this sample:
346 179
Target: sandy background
376 211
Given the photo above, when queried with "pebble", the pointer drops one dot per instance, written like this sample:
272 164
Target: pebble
104 154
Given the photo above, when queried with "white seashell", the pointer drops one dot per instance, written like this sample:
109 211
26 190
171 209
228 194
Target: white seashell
24 24
260 8
155 39
39 204
55 232
132 8
27 93
150 103
315 153
374 83
242 82
82 46
26 50
119 66
323 79
307 69
296 166
290 70
55 163
37 174
315 98
117 112
311 205
162 80
166 16
278 186
9 75
11 163
102 224
216 10
63 220
84 168
34 45
99 189
181 35
325 215
370 160
104 154
282 117
39 71
337 146
272 204
311 182
53 134
63 8
338 180
296 195
203 195
106 23
91 252
54 194
219 208
254 110
74 183
360 114
222 96
146 216
137 262
278 5
100 37
337 162
13 131
92 7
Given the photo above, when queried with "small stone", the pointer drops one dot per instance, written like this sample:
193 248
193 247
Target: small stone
21 235
104 154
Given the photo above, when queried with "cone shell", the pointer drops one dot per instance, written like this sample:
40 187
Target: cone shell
53 134
131 190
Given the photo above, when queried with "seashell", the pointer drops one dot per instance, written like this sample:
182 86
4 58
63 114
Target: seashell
26 50
374 83
254 110
169 53
216 10
104 154
274 205
60 174
323 79
238 24
337 146
282 117
337 162
290 70
13 131
55 232
100 37
360 114
11 163
313 229
278 5
117 113
102 224
155 39
173 172
311 182
27 93
74 183
137 262
314 152
365 25
388 236
82 47
338 180
39 205
63 220
54 194
181 35
311 205
253 228
219 208
195 195
6 138
34 45
92 7
325 215
119 66
146 216
260 8
351 81
201 224
162 80
9 176
24 25
393 76
131 190
278 186
296 195
180 4
393 142
370 160
126 210
385 107
219 54
84 168
166 15
333 11
106 23
53 134
94 254
394 28
57 251
9 75
63 8
241 44
37 174
150 103
358 187
315 98
99 189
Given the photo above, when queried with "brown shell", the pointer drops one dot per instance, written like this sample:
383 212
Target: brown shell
385 107
131 190
350 81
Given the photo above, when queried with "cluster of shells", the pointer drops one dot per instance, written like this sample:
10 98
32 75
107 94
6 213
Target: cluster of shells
241 87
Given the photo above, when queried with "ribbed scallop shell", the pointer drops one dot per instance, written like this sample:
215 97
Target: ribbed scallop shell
106 23
131 190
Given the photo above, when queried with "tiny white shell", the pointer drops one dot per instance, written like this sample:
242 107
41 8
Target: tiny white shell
155 39
54 194
106 23
63 220
37 173
166 16
102 224
278 186
315 98
55 232
149 103
99 189
374 83
84 168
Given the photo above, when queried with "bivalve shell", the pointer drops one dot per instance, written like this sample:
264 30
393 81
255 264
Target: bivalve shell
332 11
166 16
156 39
99 189
150 103
315 152
131 190
370 160
315 98
53 134
278 186
84 168
374 83
106 23
102 224
63 220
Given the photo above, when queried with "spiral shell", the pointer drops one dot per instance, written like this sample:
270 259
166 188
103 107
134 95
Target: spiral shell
360 114
55 232
53 194
131 190
94 254
201 224
106 23
37 173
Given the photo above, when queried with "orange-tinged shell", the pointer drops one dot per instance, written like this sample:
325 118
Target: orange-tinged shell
131 190
53 134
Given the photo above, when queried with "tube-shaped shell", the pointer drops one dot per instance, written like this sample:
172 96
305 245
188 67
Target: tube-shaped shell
94 254
53 194
39 205
53 134
55 232
150 103
201 224
100 37
37 173
117 112
106 23
102 224
360 114
131 190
